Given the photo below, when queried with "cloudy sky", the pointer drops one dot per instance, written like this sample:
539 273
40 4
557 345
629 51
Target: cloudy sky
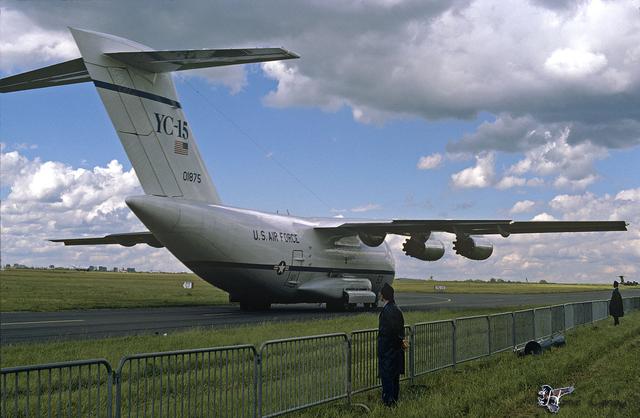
396 109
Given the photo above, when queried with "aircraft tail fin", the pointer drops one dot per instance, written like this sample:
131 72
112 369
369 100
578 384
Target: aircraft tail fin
140 97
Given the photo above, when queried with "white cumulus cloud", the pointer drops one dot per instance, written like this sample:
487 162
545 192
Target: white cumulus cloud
508 182
522 206
572 165
23 43
366 208
481 175
430 162
566 62
49 199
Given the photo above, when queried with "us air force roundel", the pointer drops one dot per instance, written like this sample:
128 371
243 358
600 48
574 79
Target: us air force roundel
550 397
280 268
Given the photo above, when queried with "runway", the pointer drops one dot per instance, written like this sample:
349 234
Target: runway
16 327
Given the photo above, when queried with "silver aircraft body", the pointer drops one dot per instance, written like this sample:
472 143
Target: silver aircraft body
258 258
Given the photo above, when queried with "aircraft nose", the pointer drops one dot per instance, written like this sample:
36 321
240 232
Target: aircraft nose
159 214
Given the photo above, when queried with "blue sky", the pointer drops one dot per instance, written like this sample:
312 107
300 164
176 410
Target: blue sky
510 133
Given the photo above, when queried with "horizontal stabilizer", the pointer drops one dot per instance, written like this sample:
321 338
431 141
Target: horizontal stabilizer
69 72
127 239
75 71
168 61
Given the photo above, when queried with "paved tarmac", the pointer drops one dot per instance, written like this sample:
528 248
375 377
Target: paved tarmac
18 327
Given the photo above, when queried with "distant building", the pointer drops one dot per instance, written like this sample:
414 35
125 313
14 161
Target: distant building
102 268
131 270
115 269
91 268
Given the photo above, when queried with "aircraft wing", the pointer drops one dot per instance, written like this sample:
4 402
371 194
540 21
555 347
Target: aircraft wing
127 239
467 227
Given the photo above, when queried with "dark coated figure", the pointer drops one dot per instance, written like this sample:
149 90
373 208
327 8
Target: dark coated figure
616 308
391 346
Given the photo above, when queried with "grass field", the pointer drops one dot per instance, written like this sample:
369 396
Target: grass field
428 286
601 361
55 290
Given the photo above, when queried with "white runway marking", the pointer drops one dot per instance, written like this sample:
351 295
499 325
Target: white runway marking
42 322
443 300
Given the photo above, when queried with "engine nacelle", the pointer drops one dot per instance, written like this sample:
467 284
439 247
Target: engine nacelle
431 250
473 248
371 240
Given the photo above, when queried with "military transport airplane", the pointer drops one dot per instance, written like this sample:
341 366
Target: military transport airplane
258 258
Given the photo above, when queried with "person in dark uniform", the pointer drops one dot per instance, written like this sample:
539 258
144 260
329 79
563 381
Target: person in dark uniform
391 346
616 308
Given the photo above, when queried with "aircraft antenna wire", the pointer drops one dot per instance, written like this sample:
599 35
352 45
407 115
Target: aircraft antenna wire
254 142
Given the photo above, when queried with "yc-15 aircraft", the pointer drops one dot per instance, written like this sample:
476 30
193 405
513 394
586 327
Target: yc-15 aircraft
258 258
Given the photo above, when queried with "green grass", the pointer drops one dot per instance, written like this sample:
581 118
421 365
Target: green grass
428 286
600 360
56 290
115 348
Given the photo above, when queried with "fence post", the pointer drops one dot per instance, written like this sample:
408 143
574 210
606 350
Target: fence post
489 334
534 323
412 366
513 330
117 380
453 345
257 380
349 369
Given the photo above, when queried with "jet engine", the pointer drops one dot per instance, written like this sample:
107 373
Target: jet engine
429 250
473 248
371 240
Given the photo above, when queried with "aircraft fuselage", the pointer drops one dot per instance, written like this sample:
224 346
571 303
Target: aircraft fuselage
261 257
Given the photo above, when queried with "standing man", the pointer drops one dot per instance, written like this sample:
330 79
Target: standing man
616 307
391 346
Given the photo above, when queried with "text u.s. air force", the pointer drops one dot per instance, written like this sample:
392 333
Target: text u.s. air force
275 236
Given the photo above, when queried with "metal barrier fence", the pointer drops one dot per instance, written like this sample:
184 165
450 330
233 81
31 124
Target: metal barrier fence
364 359
524 326
569 318
73 388
297 373
472 338
501 332
283 376
558 320
542 322
433 346
599 310
220 382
